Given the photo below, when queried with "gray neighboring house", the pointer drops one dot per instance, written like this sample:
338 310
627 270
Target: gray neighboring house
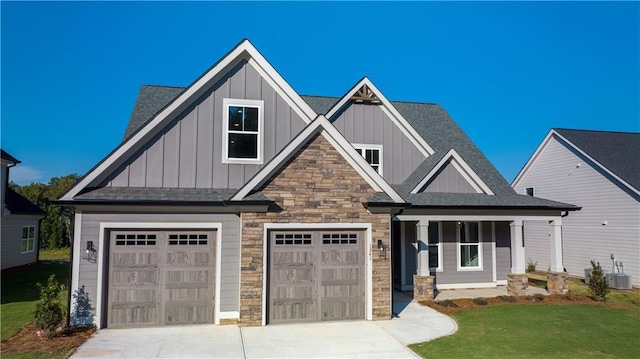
237 200
20 222
600 172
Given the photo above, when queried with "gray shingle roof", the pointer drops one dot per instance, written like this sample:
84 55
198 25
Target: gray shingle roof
619 152
17 204
7 157
140 194
151 99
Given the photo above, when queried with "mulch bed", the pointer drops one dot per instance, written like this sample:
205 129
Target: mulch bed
26 340
459 305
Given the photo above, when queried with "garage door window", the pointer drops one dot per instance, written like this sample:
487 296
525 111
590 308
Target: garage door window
136 240
293 239
340 238
188 240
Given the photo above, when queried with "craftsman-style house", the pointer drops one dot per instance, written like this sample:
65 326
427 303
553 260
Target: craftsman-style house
237 200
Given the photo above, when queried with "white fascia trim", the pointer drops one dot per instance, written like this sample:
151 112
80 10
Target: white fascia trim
390 111
241 50
463 168
467 285
104 226
338 141
319 226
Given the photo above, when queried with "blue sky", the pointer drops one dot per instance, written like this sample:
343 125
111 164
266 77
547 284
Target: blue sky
507 72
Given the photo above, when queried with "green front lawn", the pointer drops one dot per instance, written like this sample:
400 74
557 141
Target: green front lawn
20 293
539 331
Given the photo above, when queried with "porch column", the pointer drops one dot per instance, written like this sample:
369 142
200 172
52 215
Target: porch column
517 281
557 278
423 281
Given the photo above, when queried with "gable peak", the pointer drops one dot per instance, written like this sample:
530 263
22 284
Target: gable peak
365 95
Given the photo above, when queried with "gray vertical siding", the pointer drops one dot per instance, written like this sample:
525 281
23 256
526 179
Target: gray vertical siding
368 124
411 256
555 175
230 249
12 240
188 152
449 180
450 273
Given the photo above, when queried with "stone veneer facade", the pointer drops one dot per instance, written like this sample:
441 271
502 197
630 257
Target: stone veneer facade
558 282
517 284
316 186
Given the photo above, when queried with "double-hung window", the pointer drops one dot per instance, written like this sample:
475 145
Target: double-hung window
469 246
243 123
28 239
435 249
372 154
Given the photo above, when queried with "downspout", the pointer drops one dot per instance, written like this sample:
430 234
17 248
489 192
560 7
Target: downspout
566 213
6 184
70 277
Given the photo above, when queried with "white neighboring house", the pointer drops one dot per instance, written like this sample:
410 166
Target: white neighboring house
20 222
600 172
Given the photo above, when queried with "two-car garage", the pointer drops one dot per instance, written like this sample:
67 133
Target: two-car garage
167 277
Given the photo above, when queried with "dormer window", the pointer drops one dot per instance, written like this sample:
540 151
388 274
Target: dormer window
529 191
243 123
372 154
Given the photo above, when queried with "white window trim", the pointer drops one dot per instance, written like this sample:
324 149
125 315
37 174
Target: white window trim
439 245
361 147
459 245
28 239
225 130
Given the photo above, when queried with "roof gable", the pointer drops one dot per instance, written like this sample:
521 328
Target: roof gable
616 153
366 92
244 51
453 160
17 204
319 126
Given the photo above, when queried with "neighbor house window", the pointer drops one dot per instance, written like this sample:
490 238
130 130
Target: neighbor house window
28 239
372 154
528 191
469 246
243 127
435 249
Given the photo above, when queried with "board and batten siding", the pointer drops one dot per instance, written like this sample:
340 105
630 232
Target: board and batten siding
12 240
188 152
370 125
608 223
230 249
448 179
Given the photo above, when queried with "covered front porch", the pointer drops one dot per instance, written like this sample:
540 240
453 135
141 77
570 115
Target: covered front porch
436 253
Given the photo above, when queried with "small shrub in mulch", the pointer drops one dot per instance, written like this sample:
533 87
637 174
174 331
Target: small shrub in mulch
447 303
480 301
536 297
508 298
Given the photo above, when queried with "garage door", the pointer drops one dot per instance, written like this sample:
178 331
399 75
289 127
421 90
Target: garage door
316 276
160 278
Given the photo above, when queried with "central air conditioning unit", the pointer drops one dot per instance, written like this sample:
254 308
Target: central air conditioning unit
619 280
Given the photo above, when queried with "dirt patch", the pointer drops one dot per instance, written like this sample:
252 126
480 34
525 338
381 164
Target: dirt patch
459 305
26 340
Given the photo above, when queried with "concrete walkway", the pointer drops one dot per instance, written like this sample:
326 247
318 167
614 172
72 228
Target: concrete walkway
347 339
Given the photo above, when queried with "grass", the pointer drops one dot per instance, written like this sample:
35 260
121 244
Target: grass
560 331
37 355
20 293
58 254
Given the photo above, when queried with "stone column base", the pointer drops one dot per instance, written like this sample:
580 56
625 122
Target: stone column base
517 284
423 287
557 282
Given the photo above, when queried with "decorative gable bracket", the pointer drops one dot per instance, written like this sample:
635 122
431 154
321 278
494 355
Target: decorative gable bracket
365 95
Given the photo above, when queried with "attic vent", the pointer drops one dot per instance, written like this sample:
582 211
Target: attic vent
365 95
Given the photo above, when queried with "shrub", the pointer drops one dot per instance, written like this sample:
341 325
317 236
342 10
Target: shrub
538 297
598 285
448 303
480 301
531 265
508 298
48 315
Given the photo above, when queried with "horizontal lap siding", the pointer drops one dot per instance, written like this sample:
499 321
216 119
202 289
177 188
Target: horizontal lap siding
368 124
12 241
188 152
230 249
555 175
503 250
450 273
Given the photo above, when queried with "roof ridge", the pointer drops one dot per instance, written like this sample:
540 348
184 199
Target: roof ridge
165 86
589 130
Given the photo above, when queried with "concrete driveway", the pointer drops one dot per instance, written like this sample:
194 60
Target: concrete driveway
347 339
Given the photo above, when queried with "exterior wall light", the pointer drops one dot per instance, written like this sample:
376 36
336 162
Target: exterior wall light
382 249
91 253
